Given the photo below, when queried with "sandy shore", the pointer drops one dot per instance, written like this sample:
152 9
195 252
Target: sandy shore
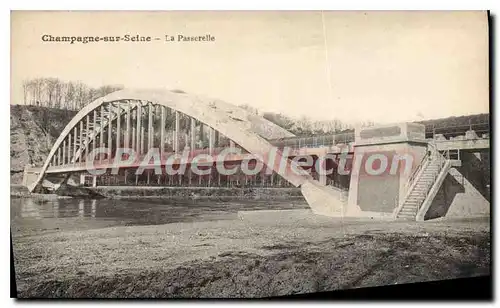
267 255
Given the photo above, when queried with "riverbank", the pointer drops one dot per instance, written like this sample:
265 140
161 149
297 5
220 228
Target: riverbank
20 191
208 193
239 258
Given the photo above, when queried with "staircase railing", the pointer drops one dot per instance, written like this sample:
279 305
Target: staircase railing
440 160
412 181
414 176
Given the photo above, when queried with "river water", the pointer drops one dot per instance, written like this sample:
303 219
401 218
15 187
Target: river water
29 214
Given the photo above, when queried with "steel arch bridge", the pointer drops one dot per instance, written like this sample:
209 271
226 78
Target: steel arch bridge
171 121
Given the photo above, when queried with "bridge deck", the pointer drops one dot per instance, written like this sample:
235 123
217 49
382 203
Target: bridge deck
442 145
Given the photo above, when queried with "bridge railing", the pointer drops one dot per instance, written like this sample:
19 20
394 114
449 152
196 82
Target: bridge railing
314 141
482 130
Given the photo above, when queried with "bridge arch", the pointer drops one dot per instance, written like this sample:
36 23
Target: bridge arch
249 131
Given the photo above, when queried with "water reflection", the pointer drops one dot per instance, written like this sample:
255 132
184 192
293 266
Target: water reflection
32 208
139 212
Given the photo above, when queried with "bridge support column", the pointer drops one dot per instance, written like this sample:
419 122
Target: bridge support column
162 130
133 144
84 150
94 181
150 128
141 151
70 148
138 129
101 132
323 200
110 130
29 176
79 143
127 127
94 127
75 140
118 126
384 158
64 152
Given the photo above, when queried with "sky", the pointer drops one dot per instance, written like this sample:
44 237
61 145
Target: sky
354 66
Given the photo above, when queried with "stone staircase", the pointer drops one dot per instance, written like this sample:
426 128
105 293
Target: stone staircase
423 184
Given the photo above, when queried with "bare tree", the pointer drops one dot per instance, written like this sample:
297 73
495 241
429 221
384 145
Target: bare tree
81 92
58 94
50 90
69 98
26 89
37 88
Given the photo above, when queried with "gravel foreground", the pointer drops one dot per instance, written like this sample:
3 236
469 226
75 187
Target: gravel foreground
266 255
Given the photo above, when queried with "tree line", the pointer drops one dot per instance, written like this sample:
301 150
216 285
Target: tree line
74 95
56 93
305 126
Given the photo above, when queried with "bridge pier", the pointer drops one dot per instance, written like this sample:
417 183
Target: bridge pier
29 176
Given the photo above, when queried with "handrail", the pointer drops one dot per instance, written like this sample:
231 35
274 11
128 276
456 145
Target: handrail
431 155
427 157
414 174
411 182
441 160
410 186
